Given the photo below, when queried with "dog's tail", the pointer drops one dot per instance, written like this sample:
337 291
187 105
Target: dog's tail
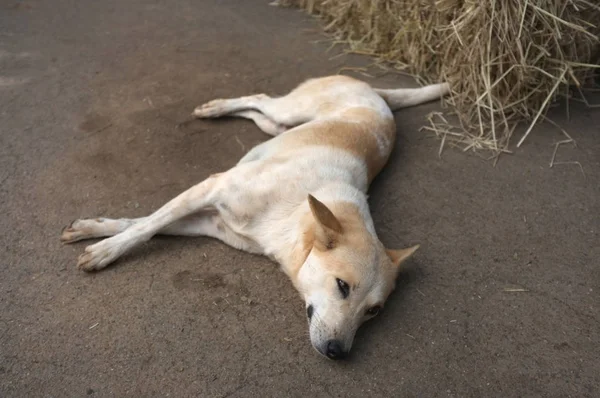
405 97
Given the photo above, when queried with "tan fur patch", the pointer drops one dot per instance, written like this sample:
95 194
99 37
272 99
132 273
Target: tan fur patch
368 136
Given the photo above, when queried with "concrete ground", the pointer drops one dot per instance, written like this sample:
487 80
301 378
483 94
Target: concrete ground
91 94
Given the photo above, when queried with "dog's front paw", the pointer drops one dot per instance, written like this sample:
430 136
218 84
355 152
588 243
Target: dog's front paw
79 230
98 256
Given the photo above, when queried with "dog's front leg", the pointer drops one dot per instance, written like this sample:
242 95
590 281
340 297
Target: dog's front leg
201 223
99 255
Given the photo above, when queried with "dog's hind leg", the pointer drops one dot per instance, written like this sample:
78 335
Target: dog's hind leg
288 111
264 123
195 199
223 107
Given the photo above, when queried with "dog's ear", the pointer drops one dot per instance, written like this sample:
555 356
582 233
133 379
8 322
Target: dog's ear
327 227
400 256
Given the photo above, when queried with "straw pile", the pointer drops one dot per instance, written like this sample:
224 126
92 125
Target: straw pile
506 60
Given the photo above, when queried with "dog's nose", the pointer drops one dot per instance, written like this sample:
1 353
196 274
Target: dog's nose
334 350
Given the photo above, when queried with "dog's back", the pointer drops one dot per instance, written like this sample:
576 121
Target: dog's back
339 113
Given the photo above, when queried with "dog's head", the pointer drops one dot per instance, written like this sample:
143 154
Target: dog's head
346 277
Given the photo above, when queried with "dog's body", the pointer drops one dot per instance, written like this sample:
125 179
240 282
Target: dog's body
332 136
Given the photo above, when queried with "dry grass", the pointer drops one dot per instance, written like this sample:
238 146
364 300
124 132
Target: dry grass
506 60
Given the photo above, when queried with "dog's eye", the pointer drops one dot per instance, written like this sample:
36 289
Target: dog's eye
373 310
344 288
309 311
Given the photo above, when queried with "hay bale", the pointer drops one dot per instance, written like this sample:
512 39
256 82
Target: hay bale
506 60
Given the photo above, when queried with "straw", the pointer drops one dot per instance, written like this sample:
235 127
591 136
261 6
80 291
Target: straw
506 61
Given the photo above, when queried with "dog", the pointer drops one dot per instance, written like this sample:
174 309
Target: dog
298 198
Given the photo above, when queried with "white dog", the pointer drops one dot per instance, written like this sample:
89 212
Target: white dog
299 198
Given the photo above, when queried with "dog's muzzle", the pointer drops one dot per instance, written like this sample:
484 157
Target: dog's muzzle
333 349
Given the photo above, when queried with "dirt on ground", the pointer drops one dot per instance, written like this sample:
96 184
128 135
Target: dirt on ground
501 300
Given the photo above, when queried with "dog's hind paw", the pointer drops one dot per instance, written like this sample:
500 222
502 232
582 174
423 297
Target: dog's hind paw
221 107
214 108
